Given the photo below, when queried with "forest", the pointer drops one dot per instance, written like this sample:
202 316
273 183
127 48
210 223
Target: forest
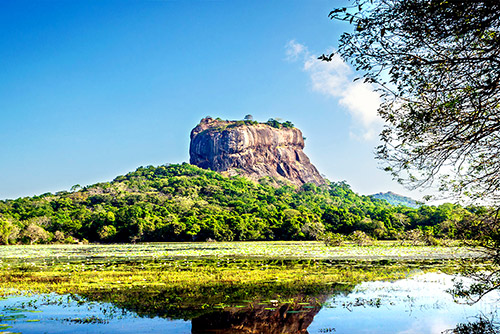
181 202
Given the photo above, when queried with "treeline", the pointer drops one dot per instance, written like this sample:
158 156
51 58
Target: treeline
185 203
249 121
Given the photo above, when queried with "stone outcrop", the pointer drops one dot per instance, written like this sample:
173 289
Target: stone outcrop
252 150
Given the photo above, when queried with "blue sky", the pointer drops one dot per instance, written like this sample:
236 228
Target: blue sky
93 89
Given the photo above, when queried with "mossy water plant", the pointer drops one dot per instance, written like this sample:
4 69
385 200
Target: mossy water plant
173 286
181 279
379 250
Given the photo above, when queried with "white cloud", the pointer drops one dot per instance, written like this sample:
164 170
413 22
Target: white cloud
334 79
362 101
329 78
294 50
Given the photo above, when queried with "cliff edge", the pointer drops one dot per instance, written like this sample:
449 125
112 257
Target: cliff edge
252 150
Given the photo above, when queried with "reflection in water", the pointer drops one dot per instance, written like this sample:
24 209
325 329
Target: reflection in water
69 314
64 314
414 305
262 318
482 325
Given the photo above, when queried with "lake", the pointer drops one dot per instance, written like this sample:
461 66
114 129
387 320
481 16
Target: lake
237 287
417 304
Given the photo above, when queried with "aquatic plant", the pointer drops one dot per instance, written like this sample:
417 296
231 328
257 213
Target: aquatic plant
180 279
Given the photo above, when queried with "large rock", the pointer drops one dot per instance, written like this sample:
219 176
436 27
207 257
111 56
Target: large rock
252 150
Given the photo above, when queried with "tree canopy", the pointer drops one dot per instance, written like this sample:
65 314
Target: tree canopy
184 203
437 66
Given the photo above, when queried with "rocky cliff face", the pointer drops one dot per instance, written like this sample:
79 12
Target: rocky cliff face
252 150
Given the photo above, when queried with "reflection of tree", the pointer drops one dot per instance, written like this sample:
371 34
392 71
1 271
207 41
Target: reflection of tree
482 325
479 284
226 301
269 317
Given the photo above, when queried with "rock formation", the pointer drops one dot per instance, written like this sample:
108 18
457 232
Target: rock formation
252 150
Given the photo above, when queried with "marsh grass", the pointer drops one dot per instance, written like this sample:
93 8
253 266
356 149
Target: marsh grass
257 249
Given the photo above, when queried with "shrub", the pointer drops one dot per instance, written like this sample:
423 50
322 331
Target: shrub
8 231
107 232
59 236
288 124
360 238
34 234
70 240
417 237
333 239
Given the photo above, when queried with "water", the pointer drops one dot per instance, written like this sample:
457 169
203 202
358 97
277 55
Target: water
414 305
56 314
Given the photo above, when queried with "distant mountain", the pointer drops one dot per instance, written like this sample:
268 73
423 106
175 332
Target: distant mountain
396 199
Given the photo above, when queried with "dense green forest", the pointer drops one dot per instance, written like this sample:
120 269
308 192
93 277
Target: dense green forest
186 203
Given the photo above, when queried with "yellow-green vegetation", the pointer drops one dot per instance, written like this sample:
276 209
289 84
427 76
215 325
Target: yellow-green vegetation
176 279
172 287
379 250
192 276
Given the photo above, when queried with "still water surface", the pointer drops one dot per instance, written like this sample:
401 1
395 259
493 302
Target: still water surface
415 305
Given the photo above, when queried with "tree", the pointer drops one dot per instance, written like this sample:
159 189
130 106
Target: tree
274 123
288 124
6 230
248 117
34 233
436 64
76 187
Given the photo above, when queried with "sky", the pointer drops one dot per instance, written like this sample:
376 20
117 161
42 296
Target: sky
90 90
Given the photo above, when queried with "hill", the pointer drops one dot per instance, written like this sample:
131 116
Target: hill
185 203
396 199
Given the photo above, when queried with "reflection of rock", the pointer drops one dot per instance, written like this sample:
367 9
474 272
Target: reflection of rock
262 319
252 150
